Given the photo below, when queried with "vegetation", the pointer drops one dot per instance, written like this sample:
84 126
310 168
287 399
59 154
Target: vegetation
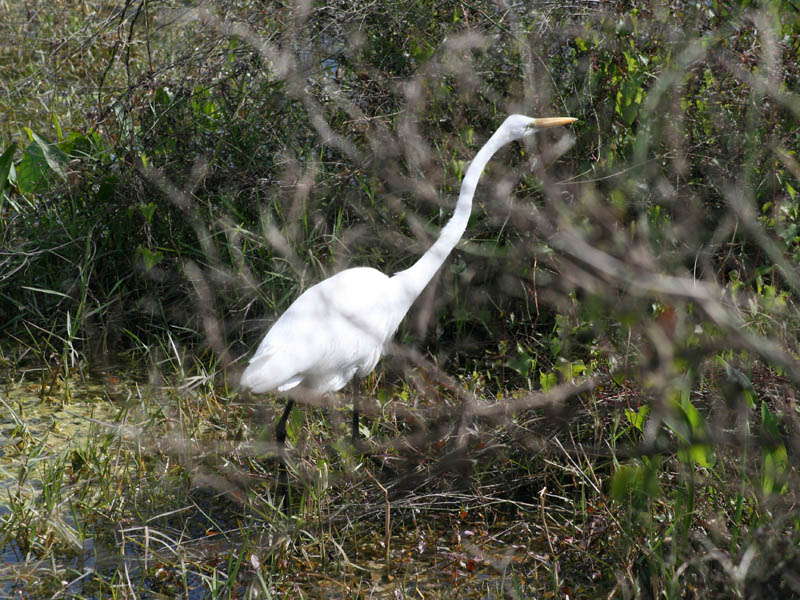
620 326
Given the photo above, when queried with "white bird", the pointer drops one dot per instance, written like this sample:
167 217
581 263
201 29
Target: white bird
339 328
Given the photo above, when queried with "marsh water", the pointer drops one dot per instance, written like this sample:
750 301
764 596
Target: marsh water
42 420
49 432
46 418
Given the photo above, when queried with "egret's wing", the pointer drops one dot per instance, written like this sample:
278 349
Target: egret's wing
333 330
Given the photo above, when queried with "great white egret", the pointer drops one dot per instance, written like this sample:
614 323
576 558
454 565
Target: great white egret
339 328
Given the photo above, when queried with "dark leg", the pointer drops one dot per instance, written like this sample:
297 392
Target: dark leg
280 429
356 385
283 492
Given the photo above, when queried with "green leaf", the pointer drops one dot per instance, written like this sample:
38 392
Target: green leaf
629 98
570 370
523 363
44 291
637 418
775 457
547 380
150 258
148 210
5 168
698 454
634 482
53 155
39 163
691 429
693 416
776 464
32 171
57 125
163 99
77 145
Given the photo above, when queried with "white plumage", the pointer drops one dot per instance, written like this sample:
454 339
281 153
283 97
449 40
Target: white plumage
338 329
335 330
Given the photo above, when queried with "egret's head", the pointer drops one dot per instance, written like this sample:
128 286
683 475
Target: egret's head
519 126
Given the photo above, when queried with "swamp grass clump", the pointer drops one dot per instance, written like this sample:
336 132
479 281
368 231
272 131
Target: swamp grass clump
618 328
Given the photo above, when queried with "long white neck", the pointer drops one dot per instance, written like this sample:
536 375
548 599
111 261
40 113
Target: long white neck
413 280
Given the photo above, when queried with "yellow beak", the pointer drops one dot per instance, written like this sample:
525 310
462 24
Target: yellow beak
546 122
